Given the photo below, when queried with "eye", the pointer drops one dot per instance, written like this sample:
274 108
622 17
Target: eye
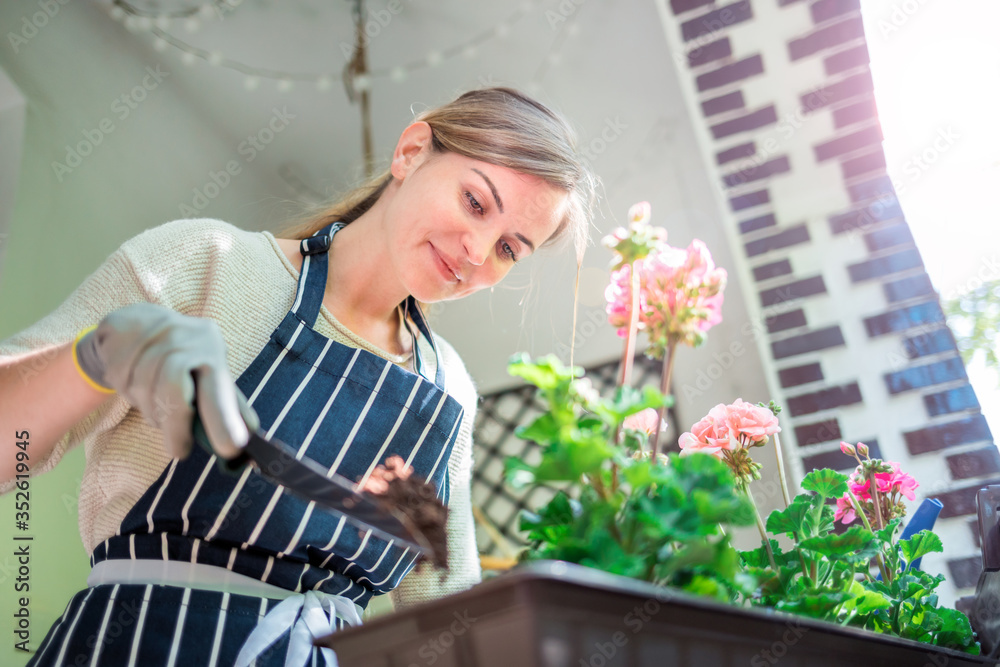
474 205
507 251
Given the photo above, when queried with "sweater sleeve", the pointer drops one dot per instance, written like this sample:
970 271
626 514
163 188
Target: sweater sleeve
142 269
463 556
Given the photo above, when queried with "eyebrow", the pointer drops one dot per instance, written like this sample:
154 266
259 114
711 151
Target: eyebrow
496 198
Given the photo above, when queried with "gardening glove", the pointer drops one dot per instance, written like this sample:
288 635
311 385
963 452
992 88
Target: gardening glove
162 362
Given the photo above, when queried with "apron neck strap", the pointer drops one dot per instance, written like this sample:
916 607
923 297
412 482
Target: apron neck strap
312 289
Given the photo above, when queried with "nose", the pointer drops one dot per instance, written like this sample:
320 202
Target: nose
477 246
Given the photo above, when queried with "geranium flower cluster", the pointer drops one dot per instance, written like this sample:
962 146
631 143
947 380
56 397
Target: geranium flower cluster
680 291
891 486
728 431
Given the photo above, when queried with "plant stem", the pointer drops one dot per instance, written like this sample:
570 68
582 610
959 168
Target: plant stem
628 354
781 470
760 526
864 519
668 369
876 500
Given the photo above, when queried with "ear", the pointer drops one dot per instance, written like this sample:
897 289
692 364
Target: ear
414 146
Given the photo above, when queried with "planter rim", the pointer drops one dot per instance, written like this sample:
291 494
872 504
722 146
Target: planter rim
588 577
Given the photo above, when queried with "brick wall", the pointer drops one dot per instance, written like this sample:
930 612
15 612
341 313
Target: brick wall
856 346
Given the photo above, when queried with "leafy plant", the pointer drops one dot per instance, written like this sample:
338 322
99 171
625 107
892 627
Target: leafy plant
624 512
629 510
975 318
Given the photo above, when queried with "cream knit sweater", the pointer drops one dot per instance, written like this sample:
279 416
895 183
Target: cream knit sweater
243 281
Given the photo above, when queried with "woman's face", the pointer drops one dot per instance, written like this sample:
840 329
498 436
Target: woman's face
457 225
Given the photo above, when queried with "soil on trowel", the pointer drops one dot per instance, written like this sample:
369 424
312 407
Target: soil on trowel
415 500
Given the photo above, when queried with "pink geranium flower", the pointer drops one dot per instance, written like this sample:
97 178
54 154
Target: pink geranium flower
680 294
845 510
746 420
644 421
711 435
860 491
896 482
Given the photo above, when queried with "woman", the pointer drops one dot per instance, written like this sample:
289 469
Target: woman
331 354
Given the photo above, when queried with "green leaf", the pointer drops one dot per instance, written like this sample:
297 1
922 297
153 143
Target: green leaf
792 518
856 543
956 631
864 601
918 545
518 473
815 605
544 373
758 557
543 430
827 483
887 533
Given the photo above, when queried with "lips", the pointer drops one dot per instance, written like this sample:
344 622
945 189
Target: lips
445 266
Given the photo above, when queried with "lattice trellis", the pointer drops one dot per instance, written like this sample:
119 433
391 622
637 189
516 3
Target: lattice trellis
494 440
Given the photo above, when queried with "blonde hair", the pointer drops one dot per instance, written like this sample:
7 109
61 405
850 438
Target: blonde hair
500 126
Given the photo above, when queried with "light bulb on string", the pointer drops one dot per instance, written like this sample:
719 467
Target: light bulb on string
323 83
362 82
434 58
192 24
397 74
215 58
470 52
117 13
251 82
188 58
160 44
285 85
501 30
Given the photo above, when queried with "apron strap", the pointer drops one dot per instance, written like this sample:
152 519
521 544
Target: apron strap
312 288
312 277
412 309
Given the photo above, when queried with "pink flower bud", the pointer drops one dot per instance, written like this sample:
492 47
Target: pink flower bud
863 449
639 213
847 448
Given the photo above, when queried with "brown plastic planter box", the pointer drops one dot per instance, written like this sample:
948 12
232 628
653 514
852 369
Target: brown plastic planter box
562 615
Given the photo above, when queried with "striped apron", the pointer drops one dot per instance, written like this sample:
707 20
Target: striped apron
346 409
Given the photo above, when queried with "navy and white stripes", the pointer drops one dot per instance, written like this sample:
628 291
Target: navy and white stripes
344 408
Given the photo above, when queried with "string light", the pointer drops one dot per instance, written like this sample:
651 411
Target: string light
159 22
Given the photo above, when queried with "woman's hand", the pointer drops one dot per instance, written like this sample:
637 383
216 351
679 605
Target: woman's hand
162 362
